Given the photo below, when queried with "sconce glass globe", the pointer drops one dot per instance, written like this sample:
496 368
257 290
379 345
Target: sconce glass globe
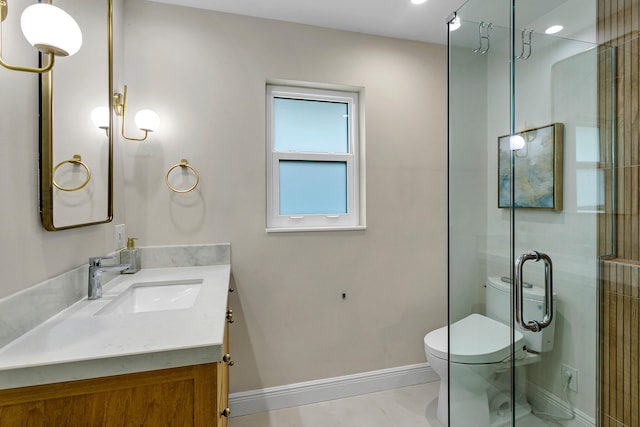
147 120
100 117
516 142
51 29
455 24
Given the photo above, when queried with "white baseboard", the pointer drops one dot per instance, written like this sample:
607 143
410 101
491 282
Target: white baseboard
268 399
543 401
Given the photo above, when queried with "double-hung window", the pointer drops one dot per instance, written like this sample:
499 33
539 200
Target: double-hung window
312 159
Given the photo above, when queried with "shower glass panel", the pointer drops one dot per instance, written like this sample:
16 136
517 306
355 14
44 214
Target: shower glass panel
478 244
532 207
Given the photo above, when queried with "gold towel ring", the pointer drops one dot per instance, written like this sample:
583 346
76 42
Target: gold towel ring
77 160
183 164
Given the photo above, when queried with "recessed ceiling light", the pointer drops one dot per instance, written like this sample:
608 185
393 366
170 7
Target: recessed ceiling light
553 29
418 1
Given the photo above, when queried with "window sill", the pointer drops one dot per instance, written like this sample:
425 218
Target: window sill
298 229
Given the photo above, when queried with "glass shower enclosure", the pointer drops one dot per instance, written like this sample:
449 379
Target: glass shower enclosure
530 188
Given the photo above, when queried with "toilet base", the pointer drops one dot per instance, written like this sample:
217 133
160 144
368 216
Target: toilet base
502 417
477 412
470 406
480 397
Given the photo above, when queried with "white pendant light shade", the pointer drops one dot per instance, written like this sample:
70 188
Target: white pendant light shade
147 120
51 29
100 117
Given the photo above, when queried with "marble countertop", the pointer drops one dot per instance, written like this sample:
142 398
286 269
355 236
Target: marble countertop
78 343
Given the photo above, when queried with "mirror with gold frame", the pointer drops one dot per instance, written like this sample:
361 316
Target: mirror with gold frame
76 156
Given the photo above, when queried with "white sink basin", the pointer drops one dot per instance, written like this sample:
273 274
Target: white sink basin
155 296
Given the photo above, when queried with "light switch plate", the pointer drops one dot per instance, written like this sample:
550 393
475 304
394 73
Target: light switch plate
119 237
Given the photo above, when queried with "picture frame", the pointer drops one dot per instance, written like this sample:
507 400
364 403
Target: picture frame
537 169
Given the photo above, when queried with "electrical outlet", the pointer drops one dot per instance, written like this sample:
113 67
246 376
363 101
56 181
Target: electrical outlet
119 237
570 374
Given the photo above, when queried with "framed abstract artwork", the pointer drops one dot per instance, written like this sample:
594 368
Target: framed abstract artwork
537 169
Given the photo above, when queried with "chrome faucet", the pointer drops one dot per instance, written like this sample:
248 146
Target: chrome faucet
95 274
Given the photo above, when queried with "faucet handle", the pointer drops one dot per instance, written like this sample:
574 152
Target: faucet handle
96 261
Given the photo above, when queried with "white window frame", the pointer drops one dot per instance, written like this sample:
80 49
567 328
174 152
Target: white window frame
314 222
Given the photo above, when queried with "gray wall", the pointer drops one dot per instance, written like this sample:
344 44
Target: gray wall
205 73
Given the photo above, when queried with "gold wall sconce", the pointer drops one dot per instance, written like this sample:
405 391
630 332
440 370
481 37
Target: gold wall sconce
146 120
49 29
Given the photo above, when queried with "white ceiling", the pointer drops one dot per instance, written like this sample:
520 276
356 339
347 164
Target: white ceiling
391 18
404 20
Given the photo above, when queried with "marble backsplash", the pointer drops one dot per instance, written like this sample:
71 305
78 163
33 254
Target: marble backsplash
185 256
24 310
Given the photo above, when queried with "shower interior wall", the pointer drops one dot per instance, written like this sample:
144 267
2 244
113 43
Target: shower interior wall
618 26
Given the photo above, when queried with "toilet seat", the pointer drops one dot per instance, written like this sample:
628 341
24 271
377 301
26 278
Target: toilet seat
476 339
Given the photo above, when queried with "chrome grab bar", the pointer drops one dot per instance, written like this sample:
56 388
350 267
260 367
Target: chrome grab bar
534 325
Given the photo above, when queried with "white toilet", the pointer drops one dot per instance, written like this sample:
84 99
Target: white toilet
480 351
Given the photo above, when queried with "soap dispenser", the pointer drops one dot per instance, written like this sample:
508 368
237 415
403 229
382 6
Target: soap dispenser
130 256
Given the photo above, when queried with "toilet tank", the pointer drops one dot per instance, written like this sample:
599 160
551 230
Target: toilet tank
499 301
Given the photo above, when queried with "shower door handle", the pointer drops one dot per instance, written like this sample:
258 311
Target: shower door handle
534 325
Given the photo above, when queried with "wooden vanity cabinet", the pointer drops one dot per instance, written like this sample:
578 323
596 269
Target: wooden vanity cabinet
185 396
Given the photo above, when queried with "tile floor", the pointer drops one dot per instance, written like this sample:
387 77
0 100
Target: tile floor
413 406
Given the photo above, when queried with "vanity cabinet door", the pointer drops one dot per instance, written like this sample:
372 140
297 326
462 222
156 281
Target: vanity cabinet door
169 397
220 400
